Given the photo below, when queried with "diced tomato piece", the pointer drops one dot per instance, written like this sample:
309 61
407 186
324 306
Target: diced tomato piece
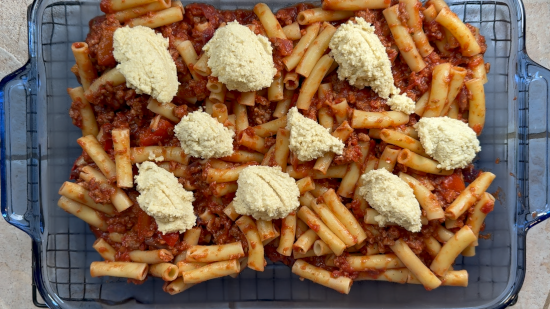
171 238
150 137
143 224
453 182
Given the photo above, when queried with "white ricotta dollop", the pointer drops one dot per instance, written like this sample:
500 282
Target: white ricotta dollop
401 103
202 136
266 193
145 62
240 59
164 198
308 139
392 198
362 58
450 142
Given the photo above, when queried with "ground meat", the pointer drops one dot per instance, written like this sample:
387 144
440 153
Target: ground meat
100 41
100 194
74 112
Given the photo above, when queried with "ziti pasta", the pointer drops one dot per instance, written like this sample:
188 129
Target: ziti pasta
321 216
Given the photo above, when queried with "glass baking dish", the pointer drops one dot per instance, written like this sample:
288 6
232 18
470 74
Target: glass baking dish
38 149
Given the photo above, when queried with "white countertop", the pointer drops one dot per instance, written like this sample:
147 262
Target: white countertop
15 246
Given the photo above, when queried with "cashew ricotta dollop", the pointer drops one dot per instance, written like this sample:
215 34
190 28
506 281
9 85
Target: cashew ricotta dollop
393 198
202 136
362 58
308 139
164 198
266 193
240 59
450 142
145 62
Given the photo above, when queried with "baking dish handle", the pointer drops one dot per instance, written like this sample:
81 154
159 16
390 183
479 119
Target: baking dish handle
15 155
536 136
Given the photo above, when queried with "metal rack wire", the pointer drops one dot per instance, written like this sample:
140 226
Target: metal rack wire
69 242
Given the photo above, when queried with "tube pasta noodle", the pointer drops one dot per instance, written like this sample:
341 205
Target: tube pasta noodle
166 271
420 163
415 266
256 259
477 66
398 275
104 249
94 149
270 128
457 81
218 97
305 242
142 154
201 66
214 253
319 15
267 231
86 69
113 76
121 145
377 120
314 223
242 156
452 248
110 6
427 200
333 224
134 12
354 5
137 271
312 82
305 184
83 212
268 20
468 44
321 248
292 31
344 215
422 103
89 123
321 276
288 234
340 110
291 81
189 56
468 197
221 189
338 171
481 210
388 158
403 39
212 271
275 91
284 105
241 117
247 98
476 116
151 257
157 19
120 200
438 91
378 261
402 140
219 111
292 60
164 109
314 52
78 194
414 22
